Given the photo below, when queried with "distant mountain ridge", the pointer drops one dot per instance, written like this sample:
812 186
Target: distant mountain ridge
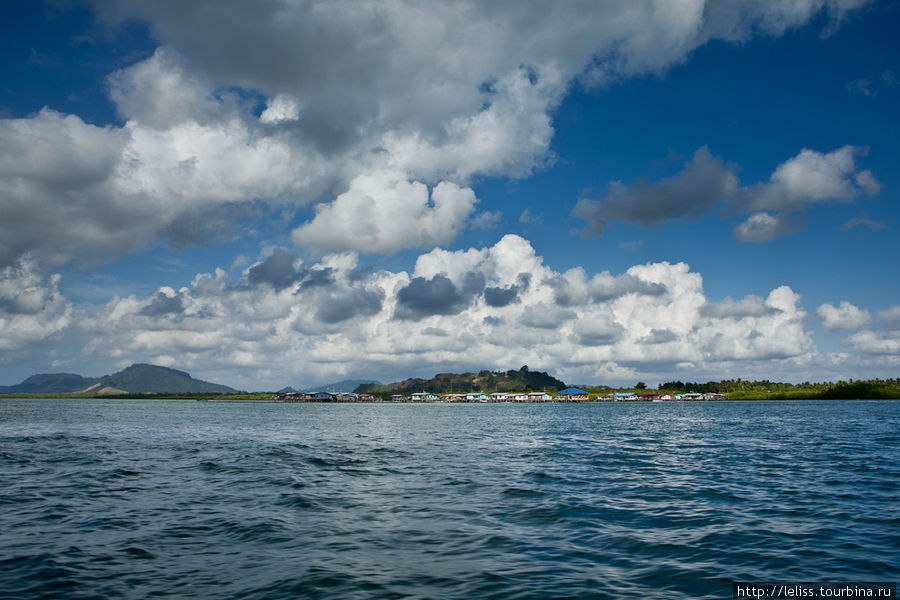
522 380
136 379
345 385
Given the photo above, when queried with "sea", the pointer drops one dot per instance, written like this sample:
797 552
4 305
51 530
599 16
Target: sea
188 499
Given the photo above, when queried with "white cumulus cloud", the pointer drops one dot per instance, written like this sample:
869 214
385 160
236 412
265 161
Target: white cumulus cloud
886 343
281 108
432 91
493 307
845 316
383 213
812 176
32 309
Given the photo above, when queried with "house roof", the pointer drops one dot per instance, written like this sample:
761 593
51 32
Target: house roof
571 391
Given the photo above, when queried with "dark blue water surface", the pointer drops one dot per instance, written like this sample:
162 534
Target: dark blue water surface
181 499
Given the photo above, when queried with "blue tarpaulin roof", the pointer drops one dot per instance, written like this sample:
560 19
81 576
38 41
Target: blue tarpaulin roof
572 391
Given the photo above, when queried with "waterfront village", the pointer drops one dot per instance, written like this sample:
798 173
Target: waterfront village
566 395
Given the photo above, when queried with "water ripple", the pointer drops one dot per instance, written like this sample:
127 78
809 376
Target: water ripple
180 499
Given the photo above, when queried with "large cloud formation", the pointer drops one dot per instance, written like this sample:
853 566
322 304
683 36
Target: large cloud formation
369 106
489 307
284 320
380 115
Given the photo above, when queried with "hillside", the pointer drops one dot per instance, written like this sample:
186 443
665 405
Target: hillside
136 379
50 383
522 380
150 379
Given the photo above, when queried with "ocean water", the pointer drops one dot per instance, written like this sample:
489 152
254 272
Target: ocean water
186 499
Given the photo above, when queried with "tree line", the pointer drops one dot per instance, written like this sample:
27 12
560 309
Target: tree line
740 388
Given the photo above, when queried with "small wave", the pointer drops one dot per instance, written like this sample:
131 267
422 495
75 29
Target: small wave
299 502
121 473
328 463
390 452
542 476
517 492
138 553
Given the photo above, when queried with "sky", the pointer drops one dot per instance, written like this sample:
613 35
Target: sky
289 193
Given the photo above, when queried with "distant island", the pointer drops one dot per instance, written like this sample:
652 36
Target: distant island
520 380
136 379
516 385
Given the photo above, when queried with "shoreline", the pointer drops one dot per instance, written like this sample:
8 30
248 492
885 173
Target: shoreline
256 399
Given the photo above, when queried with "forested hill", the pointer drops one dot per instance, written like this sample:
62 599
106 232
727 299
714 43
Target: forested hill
739 389
521 380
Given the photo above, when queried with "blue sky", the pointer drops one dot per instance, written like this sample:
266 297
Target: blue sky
308 191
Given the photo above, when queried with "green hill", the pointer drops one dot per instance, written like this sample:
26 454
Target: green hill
522 380
150 379
136 379
50 383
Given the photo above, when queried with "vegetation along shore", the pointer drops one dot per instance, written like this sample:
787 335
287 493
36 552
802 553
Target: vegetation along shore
521 385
